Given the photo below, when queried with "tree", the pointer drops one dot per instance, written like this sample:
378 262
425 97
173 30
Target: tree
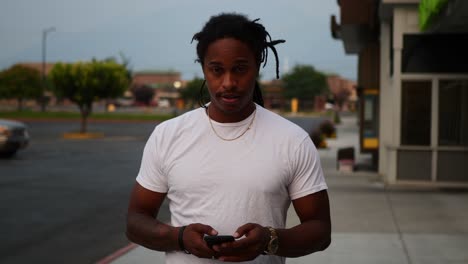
84 83
125 63
304 82
191 92
20 83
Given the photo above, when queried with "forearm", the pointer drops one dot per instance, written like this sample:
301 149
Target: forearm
151 233
303 239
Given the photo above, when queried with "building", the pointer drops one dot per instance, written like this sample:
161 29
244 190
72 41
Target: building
343 91
164 83
413 78
272 92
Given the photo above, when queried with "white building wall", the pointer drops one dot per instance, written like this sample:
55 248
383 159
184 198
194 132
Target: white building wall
405 20
385 114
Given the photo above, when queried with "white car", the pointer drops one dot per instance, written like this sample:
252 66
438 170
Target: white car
13 136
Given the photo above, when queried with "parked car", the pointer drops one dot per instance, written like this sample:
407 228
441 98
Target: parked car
13 136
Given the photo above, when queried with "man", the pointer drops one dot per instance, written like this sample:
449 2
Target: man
230 167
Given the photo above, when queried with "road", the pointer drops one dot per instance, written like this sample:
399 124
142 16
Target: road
64 201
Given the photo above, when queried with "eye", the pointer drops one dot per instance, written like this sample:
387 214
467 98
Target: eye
216 69
240 68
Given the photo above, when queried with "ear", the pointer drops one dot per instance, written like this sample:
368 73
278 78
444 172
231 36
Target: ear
203 70
258 71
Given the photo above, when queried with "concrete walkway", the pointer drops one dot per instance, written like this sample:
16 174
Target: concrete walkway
373 224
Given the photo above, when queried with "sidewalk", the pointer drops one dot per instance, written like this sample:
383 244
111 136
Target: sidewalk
372 224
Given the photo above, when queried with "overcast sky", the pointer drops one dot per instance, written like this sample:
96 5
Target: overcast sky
156 34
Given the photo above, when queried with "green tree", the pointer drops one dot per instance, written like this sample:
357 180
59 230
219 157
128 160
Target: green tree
191 92
20 83
304 82
84 83
125 63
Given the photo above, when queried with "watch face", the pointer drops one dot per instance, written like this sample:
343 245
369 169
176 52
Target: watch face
273 246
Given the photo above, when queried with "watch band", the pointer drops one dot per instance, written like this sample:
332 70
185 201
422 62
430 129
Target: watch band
180 239
272 246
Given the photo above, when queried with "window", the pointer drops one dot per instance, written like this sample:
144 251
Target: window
416 113
453 113
435 53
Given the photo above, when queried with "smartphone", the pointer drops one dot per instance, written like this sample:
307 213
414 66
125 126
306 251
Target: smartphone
215 240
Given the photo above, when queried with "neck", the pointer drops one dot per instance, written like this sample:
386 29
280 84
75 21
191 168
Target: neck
223 117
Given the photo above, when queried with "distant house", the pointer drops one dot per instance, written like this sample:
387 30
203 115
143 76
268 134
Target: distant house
164 83
343 91
272 92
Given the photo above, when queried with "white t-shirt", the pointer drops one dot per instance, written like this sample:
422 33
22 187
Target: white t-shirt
226 184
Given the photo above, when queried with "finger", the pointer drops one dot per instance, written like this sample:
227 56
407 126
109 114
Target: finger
244 229
204 229
255 238
202 251
193 240
241 244
224 248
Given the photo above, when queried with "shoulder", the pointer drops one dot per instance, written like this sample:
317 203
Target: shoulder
277 124
180 127
182 122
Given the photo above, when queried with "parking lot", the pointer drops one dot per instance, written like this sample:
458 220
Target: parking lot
64 201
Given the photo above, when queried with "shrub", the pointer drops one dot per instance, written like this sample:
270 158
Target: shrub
327 128
317 138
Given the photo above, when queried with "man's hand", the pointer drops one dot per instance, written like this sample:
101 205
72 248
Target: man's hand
245 249
194 243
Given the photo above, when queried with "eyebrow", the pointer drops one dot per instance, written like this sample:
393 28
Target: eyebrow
214 63
237 61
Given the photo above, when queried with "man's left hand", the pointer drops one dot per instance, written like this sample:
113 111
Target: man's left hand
245 249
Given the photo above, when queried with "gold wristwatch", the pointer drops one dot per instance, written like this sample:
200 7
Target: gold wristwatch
272 245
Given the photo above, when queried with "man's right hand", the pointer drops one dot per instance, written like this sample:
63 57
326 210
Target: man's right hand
194 243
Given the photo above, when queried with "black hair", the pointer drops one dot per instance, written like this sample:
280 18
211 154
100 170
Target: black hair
237 26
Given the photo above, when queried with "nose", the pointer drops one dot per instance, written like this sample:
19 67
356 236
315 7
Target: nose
229 81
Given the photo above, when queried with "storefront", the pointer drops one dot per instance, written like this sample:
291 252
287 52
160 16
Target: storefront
422 96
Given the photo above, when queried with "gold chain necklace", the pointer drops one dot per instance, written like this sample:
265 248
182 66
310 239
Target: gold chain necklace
231 139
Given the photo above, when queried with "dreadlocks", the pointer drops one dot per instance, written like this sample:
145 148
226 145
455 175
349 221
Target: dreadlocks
252 33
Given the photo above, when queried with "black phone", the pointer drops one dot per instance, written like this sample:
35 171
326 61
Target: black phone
215 240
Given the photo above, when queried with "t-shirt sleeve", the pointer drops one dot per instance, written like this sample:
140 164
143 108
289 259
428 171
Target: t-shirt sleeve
307 174
151 174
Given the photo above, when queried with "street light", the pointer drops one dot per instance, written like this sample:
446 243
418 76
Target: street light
44 49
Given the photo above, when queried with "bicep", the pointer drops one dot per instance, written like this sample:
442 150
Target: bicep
313 207
144 201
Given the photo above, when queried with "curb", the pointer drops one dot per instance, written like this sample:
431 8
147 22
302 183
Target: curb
117 254
78 135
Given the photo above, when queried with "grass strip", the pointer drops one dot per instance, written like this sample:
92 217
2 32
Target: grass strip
75 115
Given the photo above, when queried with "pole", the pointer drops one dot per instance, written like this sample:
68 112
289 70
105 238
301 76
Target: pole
44 100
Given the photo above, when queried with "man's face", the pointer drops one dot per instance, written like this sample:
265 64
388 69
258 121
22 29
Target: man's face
230 71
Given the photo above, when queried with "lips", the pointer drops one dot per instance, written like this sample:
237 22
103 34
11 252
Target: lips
230 98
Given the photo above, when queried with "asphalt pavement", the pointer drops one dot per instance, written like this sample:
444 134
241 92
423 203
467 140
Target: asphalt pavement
371 222
64 201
